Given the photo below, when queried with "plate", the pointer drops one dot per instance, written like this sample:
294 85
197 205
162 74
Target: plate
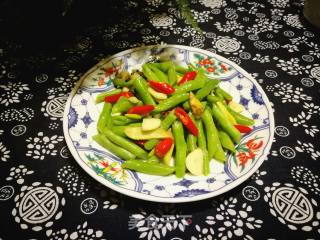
81 115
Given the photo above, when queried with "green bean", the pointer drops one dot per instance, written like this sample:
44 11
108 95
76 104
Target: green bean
125 143
171 102
150 144
181 69
153 159
163 66
119 130
148 73
213 99
213 141
226 141
203 146
172 76
191 140
208 87
181 149
140 86
100 97
197 83
104 117
107 144
122 105
161 75
151 168
168 120
225 124
122 120
223 93
240 119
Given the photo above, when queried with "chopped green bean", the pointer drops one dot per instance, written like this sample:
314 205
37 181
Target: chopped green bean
181 149
141 87
100 97
107 144
152 168
240 119
125 143
149 74
172 76
122 105
168 120
161 75
171 102
150 144
208 87
226 141
105 117
225 124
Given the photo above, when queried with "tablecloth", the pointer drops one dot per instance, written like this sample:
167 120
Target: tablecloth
44 194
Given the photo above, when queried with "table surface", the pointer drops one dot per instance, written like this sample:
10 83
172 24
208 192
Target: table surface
44 194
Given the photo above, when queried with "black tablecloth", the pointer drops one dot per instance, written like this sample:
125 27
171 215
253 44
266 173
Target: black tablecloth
44 194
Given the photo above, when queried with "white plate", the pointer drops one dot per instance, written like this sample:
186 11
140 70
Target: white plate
81 115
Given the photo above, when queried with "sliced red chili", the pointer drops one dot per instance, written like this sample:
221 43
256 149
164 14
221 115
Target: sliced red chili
188 76
141 110
162 87
115 97
187 121
243 128
163 147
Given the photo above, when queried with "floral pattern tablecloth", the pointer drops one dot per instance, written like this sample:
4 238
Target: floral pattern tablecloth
45 195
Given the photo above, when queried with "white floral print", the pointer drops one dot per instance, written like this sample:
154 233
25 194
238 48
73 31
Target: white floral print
230 223
41 146
82 232
152 227
213 3
228 26
4 153
18 173
308 148
287 93
10 93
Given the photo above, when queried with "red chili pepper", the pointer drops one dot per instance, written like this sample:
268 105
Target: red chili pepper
141 110
188 76
243 128
141 142
187 121
163 147
161 87
115 97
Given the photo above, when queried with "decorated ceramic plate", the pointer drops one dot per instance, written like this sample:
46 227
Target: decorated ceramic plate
81 116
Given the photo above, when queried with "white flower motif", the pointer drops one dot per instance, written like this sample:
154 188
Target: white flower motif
291 47
293 20
201 17
262 59
264 25
151 39
279 3
308 148
10 92
41 146
17 173
257 177
288 94
1 131
153 227
154 3
4 153
162 21
213 3
230 223
228 26
109 205
82 232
